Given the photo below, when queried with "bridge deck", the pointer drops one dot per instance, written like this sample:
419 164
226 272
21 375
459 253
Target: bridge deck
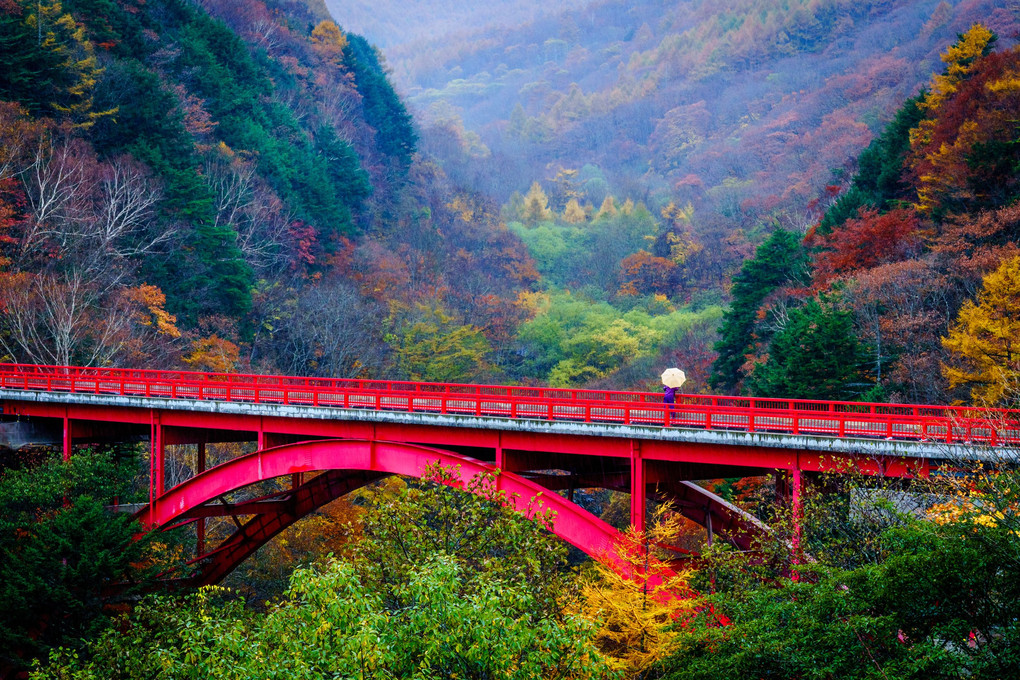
545 441
846 427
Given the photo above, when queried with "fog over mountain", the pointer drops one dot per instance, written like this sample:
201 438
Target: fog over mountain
392 23
746 110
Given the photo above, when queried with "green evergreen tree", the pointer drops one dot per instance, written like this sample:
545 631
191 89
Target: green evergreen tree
344 168
395 134
816 356
781 260
61 551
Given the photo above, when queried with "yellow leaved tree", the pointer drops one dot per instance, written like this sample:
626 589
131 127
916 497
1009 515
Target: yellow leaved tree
641 603
573 213
959 60
329 42
985 341
536 206
71 59
940 161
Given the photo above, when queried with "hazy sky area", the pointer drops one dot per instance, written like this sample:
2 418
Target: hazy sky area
386 23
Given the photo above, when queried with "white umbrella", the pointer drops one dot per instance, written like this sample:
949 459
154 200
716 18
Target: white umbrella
673 377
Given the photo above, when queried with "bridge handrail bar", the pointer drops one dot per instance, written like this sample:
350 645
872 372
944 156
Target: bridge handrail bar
573 394
277 393
988 426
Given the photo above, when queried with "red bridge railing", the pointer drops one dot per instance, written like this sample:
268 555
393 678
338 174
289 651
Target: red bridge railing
948 424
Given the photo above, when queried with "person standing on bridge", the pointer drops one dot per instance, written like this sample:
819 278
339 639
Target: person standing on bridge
669 396
672 379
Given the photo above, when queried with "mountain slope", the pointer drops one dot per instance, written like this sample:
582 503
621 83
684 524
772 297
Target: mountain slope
743 109
222 185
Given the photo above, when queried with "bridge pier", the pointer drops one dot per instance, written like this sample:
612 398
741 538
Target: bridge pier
200 524
795 514
156 461
638 487
789 494
67 436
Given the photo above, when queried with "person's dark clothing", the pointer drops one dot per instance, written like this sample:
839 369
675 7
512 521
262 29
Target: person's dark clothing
669 394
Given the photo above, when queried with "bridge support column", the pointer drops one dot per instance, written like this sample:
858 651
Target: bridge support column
637 487
67 437
795 512
789 487
200 523
156 462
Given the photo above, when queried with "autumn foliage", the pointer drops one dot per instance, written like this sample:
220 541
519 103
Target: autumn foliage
928 224
984 339
865 242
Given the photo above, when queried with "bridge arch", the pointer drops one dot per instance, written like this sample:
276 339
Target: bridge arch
349 464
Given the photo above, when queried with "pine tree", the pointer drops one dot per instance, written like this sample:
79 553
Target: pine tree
781 260
815 356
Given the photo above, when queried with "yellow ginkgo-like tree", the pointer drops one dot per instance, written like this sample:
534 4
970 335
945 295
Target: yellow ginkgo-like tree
639 603
985 341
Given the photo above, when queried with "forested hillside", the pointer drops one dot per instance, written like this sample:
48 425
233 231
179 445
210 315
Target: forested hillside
227 185
909 287
747 111
643 151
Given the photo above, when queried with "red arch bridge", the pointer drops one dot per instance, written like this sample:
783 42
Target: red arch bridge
321 438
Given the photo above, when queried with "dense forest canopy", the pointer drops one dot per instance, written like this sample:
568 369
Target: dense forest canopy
393 23
221 185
